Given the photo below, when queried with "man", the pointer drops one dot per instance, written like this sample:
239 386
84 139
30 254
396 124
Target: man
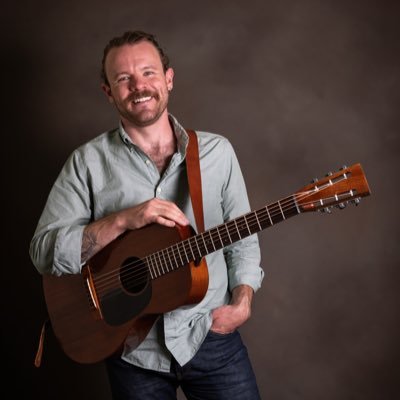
133 176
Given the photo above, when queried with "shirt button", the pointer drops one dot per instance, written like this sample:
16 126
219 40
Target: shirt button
147 162
159 190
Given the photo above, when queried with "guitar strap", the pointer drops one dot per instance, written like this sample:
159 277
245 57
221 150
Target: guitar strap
194 178
39 352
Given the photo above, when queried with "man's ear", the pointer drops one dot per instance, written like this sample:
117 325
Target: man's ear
107 90
169 76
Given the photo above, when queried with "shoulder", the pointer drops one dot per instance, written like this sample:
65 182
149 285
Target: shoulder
92 155
98 147
104 141
214 142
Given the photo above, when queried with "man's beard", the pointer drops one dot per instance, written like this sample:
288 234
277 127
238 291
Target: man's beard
144 117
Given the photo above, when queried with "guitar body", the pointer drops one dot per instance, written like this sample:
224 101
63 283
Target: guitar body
115 296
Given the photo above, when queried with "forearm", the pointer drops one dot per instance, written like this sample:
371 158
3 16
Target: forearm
99 234
242 295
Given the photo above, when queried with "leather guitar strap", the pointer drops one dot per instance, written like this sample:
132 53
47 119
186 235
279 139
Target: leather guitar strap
194 178
39 352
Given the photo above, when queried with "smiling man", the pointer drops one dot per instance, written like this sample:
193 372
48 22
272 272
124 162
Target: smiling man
133 176
137 83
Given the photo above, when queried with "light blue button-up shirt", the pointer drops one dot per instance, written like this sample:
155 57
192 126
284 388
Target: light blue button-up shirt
110 173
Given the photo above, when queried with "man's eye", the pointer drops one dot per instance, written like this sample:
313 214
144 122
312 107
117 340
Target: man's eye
148 73
123 78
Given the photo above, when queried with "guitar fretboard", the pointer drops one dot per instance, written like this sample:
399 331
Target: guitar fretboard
198 246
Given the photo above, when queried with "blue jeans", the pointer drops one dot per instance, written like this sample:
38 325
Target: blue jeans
220 370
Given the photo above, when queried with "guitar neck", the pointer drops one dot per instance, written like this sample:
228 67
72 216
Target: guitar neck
198 246
347 185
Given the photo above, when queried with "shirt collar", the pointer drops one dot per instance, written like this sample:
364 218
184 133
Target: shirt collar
180 133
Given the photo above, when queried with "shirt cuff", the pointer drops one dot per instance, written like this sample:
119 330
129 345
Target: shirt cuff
67 250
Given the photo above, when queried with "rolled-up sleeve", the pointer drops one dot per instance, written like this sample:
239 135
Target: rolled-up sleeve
243 257
56 244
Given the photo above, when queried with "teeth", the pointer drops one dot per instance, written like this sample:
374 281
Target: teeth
142 99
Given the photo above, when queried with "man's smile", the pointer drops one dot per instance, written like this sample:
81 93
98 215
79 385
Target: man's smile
142 99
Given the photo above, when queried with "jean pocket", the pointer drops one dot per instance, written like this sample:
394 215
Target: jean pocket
220 335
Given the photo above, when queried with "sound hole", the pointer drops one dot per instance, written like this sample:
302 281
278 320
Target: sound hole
134 275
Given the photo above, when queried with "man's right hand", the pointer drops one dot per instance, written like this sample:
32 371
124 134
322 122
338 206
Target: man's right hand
100 233
157 211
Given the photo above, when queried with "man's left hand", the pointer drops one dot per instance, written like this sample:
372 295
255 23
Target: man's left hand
229 317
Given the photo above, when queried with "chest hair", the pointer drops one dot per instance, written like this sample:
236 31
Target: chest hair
161 157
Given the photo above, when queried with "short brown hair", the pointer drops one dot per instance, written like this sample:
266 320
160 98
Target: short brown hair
131 37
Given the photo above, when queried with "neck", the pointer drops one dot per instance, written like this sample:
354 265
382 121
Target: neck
158 140
159 134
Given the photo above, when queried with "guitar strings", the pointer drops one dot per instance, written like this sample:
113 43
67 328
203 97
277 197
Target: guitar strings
172 251
140 269
137 273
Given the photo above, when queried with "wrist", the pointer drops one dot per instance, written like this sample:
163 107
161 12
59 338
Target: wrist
242 295
119 222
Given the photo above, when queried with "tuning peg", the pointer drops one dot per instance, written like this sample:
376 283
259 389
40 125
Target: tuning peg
341 206
315 180
356 201
329 174
343 167
326 210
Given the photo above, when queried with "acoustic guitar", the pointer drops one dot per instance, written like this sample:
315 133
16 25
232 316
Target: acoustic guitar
146 272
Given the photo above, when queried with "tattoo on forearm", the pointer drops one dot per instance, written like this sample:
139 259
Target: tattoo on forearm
89 246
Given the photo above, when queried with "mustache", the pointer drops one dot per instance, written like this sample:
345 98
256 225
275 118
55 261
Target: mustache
143 93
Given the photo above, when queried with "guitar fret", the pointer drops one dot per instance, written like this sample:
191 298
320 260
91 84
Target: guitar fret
198 248
269 216
156 264
173 254
227 231
165 261
167 264
205 246
220 239
245 220
212 241
241 224
237 228
184 250
179 254
150 267
293 209
283 215
231 230
191 249
296 205
258 221
161 264
217 237
170 263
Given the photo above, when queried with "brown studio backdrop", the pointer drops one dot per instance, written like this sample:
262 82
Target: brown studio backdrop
299 88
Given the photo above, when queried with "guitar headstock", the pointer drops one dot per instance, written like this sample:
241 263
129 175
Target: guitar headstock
347 185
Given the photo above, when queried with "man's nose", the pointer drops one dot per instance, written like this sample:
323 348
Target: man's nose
136 83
